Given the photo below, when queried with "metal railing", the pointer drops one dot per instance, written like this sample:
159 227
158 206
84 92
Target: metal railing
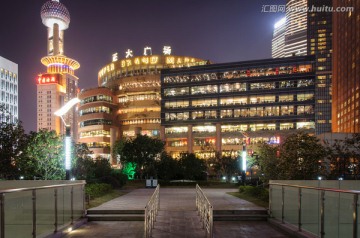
205 210
321 201
35 206
151 210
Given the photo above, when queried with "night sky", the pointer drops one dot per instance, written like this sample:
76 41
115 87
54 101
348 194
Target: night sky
217 30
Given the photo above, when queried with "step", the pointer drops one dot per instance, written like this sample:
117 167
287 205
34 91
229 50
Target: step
115 217
95 211
240 215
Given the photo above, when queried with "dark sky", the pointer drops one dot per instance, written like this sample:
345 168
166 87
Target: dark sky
217 30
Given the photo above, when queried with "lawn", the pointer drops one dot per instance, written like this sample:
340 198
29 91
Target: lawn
250 198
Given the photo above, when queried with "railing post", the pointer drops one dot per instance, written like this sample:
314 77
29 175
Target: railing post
299 209
2 211
322 214
355 212
34 212
282 204
56 209
270 199
72 205
83 195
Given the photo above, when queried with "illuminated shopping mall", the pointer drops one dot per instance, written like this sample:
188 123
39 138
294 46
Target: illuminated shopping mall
127 101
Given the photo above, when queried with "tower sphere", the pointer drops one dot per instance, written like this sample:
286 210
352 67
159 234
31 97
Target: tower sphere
55 12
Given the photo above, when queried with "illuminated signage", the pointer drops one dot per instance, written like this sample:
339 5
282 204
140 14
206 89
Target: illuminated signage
129 53
147 50
167 50
47 79
115 57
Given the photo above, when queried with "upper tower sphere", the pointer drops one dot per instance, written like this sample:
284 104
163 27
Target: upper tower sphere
55 12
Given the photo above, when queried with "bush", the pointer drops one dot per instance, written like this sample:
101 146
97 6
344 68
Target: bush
115 178
258 192
97 189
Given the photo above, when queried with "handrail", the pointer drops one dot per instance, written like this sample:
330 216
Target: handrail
318 188
34 198
151 210
12 190
205 210
322 204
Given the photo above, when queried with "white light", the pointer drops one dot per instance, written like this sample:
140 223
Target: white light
341 178
147 50
167 50
281 22
129 53
67 153
21 177
72 179
224 178
114 57
244 160
69 229
233 178
319 178
67 107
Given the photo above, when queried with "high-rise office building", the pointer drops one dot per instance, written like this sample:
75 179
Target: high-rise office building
346 68
278 41
59 84
319 31
296 28
9 90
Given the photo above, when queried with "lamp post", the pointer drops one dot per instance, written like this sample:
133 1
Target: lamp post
61 112
243 154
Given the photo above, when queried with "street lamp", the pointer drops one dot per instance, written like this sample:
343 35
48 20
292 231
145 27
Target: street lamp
61 112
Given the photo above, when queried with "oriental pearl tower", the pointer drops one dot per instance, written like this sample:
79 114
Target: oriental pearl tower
59 84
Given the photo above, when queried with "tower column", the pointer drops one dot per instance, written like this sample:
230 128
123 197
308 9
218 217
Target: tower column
56 39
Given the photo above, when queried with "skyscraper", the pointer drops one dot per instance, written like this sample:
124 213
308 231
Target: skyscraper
296 28
59 84
319 31
9 90
278 41
346 68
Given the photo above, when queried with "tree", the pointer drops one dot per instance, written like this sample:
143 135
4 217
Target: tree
143 151
13 141
192 167
83 166
300 157
268 161
46 152
344 156
225 166
167 168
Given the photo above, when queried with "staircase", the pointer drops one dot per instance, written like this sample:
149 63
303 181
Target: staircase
115 215
240 215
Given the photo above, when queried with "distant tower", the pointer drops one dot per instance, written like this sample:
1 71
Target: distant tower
59 84
278 41
296 28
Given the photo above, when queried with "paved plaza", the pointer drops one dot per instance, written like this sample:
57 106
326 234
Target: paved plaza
177 216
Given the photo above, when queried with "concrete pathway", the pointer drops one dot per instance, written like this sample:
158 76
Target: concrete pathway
177 216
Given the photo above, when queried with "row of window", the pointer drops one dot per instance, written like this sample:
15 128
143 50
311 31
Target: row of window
9 87
95 122
132 85
245 112
241 127
256 99
141 121
96 98
236 87
98 145
5 74
9 98
139 97
96 133
244 73
100 109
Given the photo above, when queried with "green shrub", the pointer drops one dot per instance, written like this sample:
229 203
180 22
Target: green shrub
97 189
258 192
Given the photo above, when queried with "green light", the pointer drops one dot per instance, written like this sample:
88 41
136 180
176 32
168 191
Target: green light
129 170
